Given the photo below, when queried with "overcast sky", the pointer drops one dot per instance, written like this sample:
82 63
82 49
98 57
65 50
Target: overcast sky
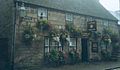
111 5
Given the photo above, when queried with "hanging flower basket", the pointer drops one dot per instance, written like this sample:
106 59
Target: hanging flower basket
73 31
27 36
43 25
54 35
106 39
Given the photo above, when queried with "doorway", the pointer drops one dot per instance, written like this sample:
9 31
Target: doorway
84 42
4 58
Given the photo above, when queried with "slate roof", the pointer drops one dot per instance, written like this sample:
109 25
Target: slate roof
84 7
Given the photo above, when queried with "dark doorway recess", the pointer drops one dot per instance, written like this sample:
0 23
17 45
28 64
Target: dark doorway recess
84 42
4 57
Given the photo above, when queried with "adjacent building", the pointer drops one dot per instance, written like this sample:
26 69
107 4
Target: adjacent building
6 33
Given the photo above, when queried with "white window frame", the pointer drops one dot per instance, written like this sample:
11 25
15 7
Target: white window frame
47 42
46 45
44 11
69 17
73 42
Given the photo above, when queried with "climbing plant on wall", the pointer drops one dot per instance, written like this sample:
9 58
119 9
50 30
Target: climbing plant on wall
27 35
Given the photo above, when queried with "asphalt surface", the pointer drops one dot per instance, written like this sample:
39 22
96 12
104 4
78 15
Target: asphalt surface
86 66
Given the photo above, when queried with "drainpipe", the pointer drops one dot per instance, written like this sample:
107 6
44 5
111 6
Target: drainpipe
13 37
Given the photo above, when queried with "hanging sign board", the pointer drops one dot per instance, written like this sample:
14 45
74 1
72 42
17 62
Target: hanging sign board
91 26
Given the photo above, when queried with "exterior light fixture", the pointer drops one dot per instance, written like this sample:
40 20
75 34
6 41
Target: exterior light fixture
22 11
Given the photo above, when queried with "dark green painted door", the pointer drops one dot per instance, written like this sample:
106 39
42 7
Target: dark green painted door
84 42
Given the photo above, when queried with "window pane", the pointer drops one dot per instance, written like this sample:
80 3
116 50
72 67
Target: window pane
46 50
46 42
53 43
69 17
43 11
72 42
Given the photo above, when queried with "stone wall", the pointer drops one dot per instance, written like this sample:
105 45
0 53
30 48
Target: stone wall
56 17
32 56
27 56
99 25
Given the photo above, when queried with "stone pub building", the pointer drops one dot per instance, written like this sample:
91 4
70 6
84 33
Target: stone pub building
36 26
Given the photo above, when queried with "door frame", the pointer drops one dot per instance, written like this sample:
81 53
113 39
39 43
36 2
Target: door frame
85 50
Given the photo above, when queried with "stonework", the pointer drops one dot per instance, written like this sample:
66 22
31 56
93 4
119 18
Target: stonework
55 17
32 55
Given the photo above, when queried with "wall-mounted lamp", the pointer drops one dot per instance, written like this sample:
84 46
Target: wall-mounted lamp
22 11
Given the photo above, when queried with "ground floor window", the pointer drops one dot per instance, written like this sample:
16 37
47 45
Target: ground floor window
50 44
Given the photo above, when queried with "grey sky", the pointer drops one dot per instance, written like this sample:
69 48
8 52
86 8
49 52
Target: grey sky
111 5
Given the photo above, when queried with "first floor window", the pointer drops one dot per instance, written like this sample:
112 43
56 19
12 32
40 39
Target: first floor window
69 17
42 12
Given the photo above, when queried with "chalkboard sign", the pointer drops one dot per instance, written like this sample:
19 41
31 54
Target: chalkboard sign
95 47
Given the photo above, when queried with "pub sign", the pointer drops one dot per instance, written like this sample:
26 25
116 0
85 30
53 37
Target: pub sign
91 26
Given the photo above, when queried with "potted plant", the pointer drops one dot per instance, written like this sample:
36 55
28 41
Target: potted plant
106 56
54 58
74 56
47 58
77 56
61 59
71 56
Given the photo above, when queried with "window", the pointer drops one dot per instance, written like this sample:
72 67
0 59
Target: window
42 11
47 42
54 45
69 17
72 42
46 45
88 19
50 44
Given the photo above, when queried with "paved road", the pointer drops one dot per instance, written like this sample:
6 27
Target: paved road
84 66
81 66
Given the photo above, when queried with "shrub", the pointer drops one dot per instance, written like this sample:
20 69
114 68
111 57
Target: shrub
27 35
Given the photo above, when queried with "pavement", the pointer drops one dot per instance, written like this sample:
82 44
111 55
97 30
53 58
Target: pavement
86 66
